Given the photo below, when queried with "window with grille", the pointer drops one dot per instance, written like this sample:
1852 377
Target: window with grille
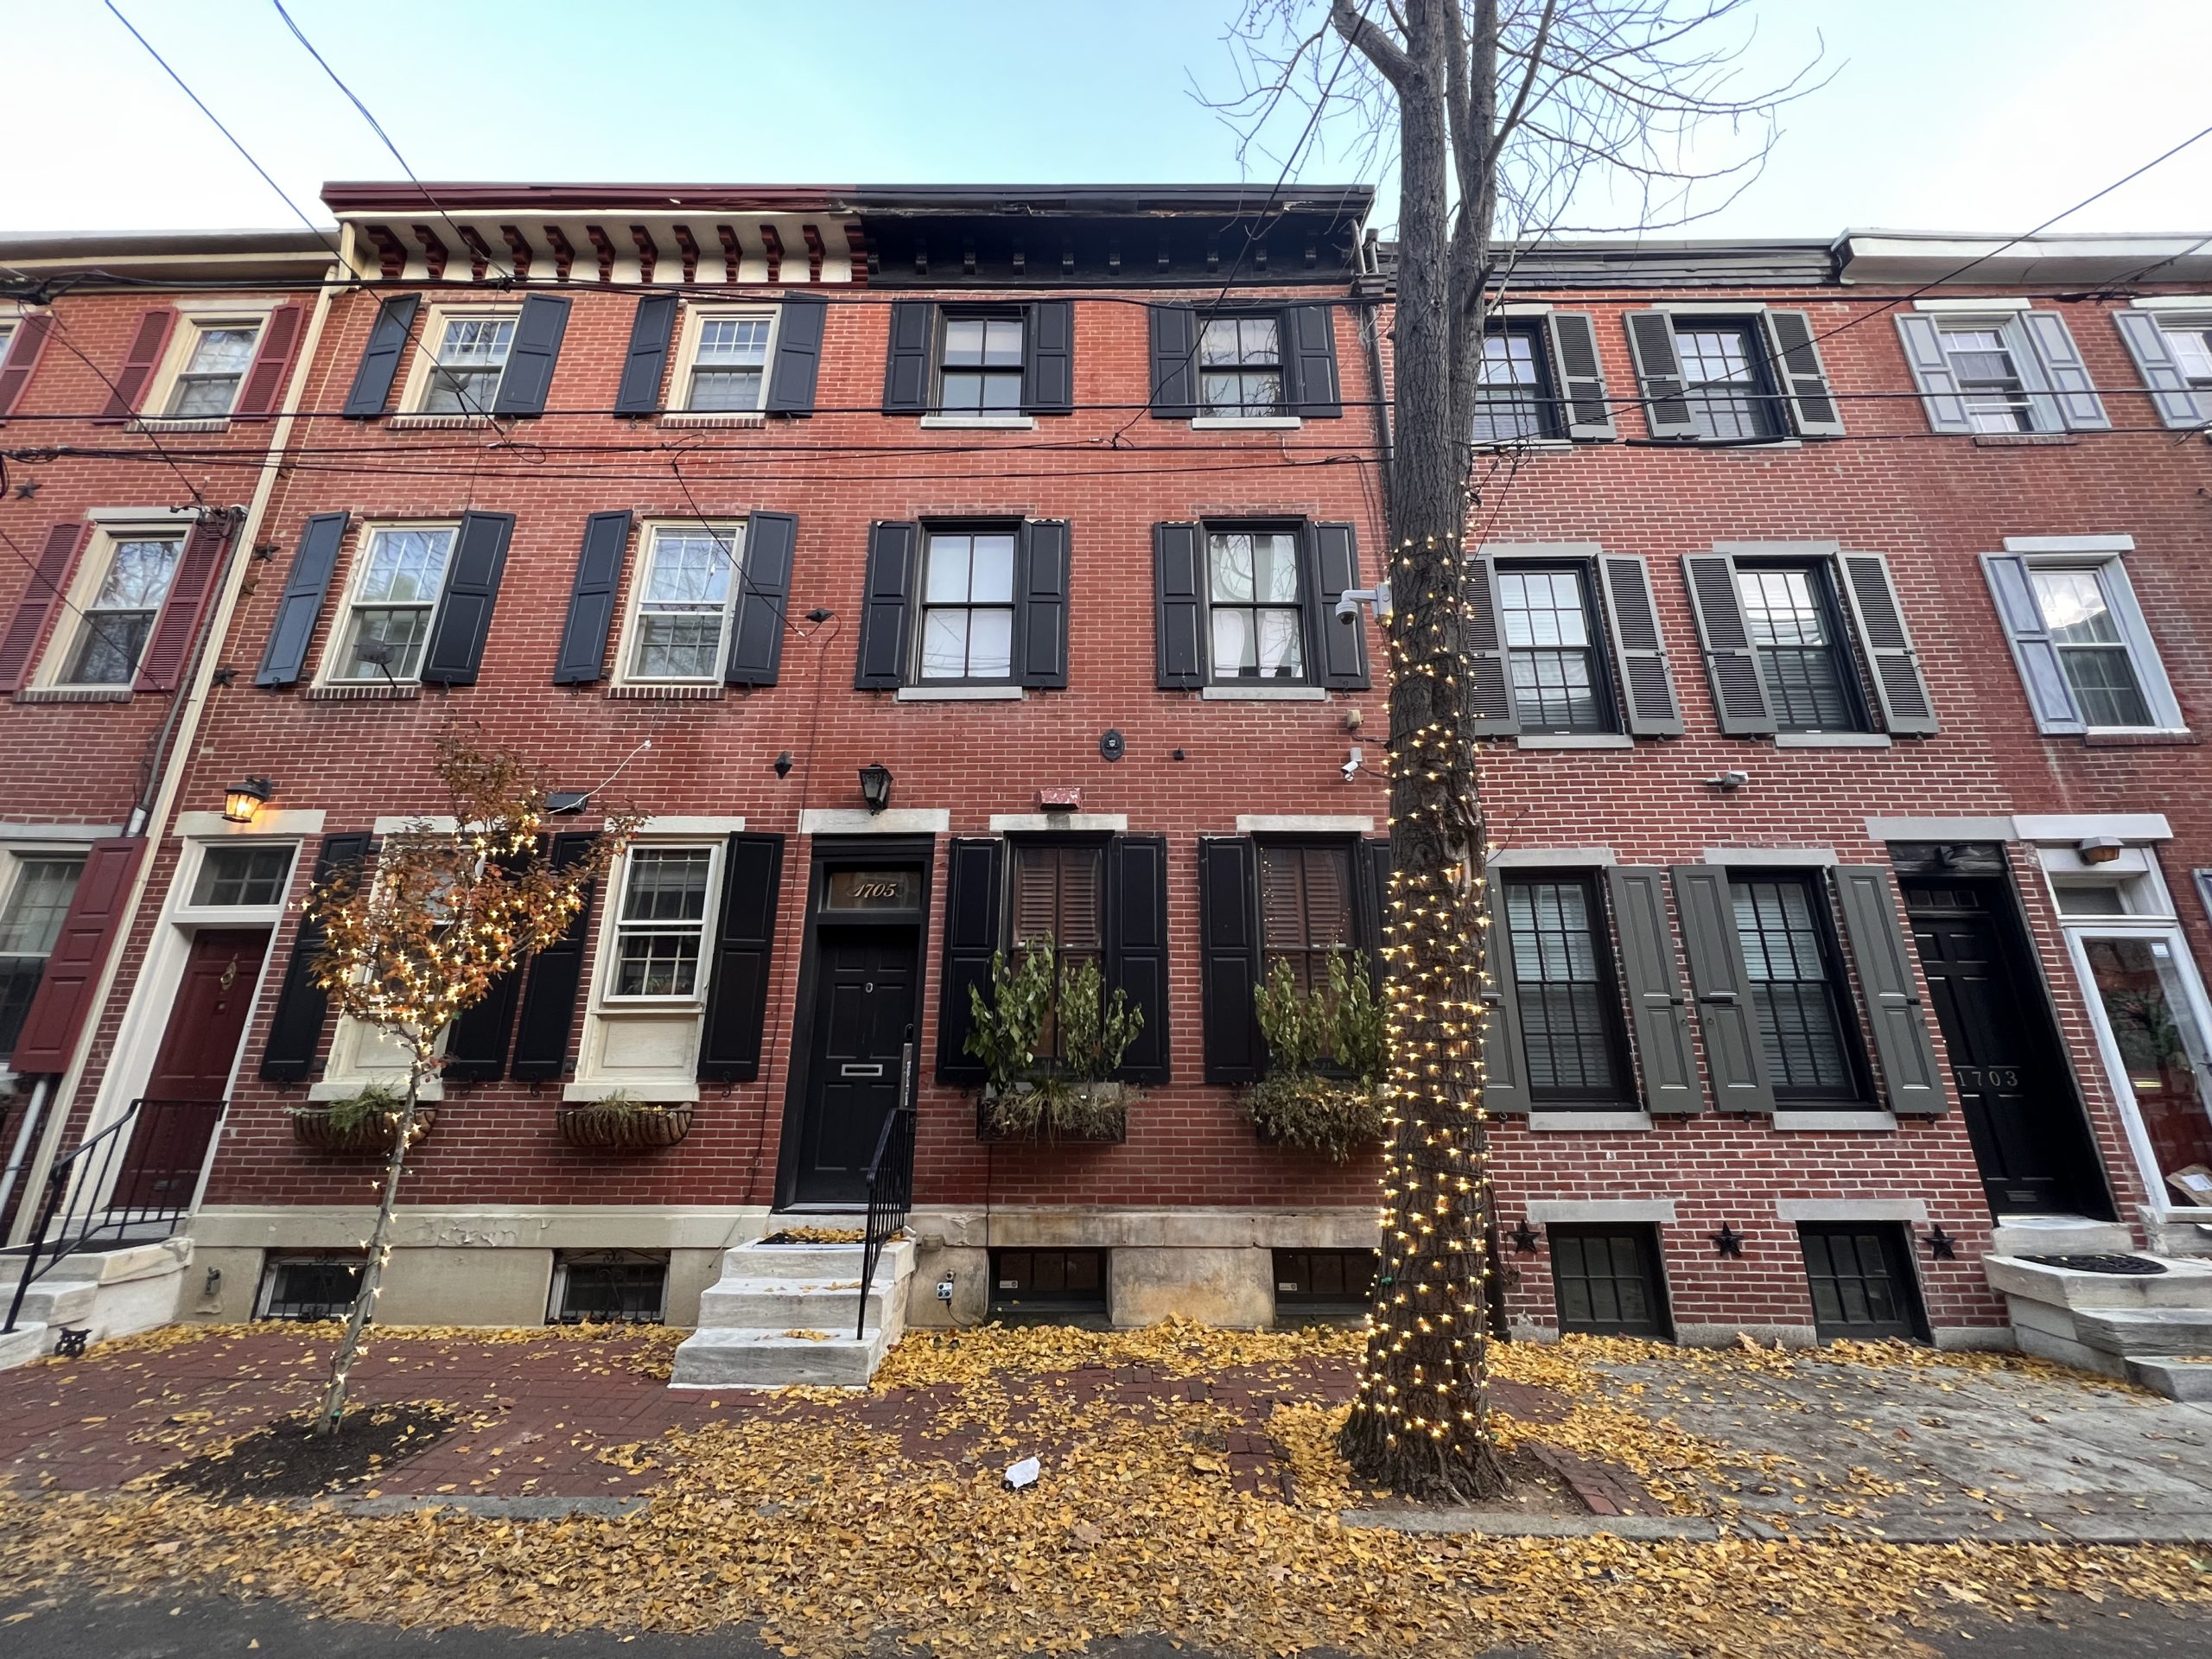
1306 909
1256 596
114 628
38 894
1514 400
2189 339
471 356
1571 1026
1724 380
1861 1277
1783 925
1059 894
1989 378
400 579
968 605
1606 1280
1240 366
609 1287
1048 1282
2092 648
215 363
243 876
662 922
1325 1280
1549 625
1796 632
308 1288
981 371
729 367
686 592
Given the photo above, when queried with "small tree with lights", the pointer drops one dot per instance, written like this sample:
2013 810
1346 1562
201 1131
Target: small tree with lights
412 945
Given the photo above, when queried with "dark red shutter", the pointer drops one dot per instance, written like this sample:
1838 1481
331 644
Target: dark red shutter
265 381
49 580
129 384
63 1000
22 358
163 667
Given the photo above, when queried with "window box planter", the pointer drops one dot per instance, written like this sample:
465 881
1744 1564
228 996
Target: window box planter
324 1130
1309 1112
1056 1112
593 1125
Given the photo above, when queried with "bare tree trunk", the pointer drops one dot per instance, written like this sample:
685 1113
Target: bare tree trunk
365 1295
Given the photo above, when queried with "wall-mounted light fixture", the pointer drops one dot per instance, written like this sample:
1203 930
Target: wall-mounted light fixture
2100 849
875 787
241 801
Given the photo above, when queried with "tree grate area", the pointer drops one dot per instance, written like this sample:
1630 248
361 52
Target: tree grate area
289 1460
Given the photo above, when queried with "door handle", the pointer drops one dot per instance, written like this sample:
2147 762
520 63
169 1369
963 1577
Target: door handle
851 1070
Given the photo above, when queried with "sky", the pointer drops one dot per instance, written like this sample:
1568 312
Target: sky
1967 115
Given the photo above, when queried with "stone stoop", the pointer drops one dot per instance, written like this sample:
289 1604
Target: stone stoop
2133 1327
110 1292
782 1316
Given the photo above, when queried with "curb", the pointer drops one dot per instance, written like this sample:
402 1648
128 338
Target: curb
2187 1529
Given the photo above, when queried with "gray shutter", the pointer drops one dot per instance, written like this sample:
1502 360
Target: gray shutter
1344 645
893 549
2154 356
1912 1075
480 558
1309 362
645 365
1798 372
1048 358
756 646
906 368
1739 695
1179 606
2050 698
306 585
1505 1080
388 334
591 599
1175 384
1666 1060
1735 1059
1491 711
1041 626
1659 371
1639 649
2080 409
1899 686
529 377
1932 373
798 359
1586 413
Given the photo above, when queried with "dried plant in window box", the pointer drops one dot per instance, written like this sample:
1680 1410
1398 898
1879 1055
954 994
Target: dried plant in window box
368 1121
616 1124
1029 1093
1325 1049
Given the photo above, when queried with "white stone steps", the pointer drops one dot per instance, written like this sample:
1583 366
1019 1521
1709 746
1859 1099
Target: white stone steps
2131 1331
772 1304
23 1345
66 1302
782 1316
741 1358
2177 1379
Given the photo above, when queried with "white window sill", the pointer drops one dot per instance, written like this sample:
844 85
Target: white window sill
687 691
979 424
1264 694
1788 1117
432 1091
74 694
2137 731
180 424
658 1007
1575 740
1245 423
364 691
657 1094
713 417
959 694
1765 446
1588 1122
438 421
1832 740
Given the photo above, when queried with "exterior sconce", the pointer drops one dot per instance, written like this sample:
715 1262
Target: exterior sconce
1942 1247
875 787
1727 1241
1524 1238
242 801
2100 849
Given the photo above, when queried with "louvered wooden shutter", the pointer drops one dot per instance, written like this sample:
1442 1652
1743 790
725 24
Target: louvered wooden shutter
296 1027
2171 393
549 984
476 1043
1505 1077
644 363
1048 358
2072 391
1344 645
46 580
1738 694
1136 948
1797 372
1040 620
798 363
265 381
479 557
756 652
163 667
974 876
67 985
1666 1060
1374 881
528 380
1491 711
1309 362
737 993
1587 412
1174 382
2034 653
147 345
906 369
1659 372
1228 958
893 549
1639 648
1932 373
388 335
1179 606
23 355
582 657
1899 686
306 585
1735 1059
1912 1075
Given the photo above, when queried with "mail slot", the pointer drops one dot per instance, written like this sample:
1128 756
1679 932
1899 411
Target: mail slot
852 1070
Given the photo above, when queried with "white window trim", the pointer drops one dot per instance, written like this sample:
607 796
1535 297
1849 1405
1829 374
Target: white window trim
84 588
192 317
424 357
603 996
2142 645
602 1008
195 860
339 638
1245 422
1982 306
696 318
2199 303
2045 416
633 605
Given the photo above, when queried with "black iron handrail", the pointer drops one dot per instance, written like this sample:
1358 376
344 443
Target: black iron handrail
890 1184
130 1183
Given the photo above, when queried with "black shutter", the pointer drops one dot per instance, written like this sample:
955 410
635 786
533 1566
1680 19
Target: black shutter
536 348
765 583
645 365
591 599
974 881
295 1028
480 555
1666 1060
306 585
1899 686
1136 962
548 991
1040 620
1048 358
1374 890
1506 1079
892 547
476 1045
1344 645
1639 649
380 357
737 992
1491 709
1585 410
1738 694
1179 609
1659 369
1735 1059
907 370
798 356
1912 1075
1174 381
1309 362
1228 958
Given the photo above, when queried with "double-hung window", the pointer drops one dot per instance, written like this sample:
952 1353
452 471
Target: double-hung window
1549 626
1995 394
661 923
687 589
1998 368
1571 1028
1240 366
1255 599
2093 653
1514 400
398 579
217 354
1724 379
1783 930
469 357
1796 634
1747 375
2084 650
967 633
729 362
125 599
1306 908
7 336
38 889
2189 339
1059 894
979 364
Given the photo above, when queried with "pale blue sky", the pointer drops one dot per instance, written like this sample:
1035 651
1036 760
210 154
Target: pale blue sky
1986 115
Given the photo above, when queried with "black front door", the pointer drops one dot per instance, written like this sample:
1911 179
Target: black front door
2028 1134
864 1013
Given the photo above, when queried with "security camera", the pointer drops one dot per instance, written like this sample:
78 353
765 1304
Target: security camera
1347 609
1728 781
1353 759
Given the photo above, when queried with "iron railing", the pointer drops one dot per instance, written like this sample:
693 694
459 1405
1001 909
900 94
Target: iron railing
890 1183
129 1184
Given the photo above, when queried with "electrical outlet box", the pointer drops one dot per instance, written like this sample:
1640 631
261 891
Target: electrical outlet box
944 1288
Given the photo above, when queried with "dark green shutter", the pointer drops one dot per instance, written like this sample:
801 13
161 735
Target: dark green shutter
1912 1075
1666 1060
974 880
528 379
550 981
306 586
894 551
1040 618
797 362
645 365
1228 958
1048 358
591 599
1639 648
1505 1080
479 557
388 334
745 939
295 1028
906 369
1179 606
1174 384
756 649
1735 1059
1136 947
1738 694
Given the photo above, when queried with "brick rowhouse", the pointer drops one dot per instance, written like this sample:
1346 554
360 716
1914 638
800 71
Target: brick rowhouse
974 507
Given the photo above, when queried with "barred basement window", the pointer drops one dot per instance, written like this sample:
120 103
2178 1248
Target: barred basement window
609 1287
1325 1280
1571 1027
1783 925
307 1287
1048 1282
1305 909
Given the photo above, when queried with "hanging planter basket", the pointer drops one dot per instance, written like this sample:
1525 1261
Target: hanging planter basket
324 1130
1095 1114
590 1126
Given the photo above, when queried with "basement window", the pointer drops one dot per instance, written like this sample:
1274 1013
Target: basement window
306 1288
1324 1283
609 1287
1861 1277
1051 1286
